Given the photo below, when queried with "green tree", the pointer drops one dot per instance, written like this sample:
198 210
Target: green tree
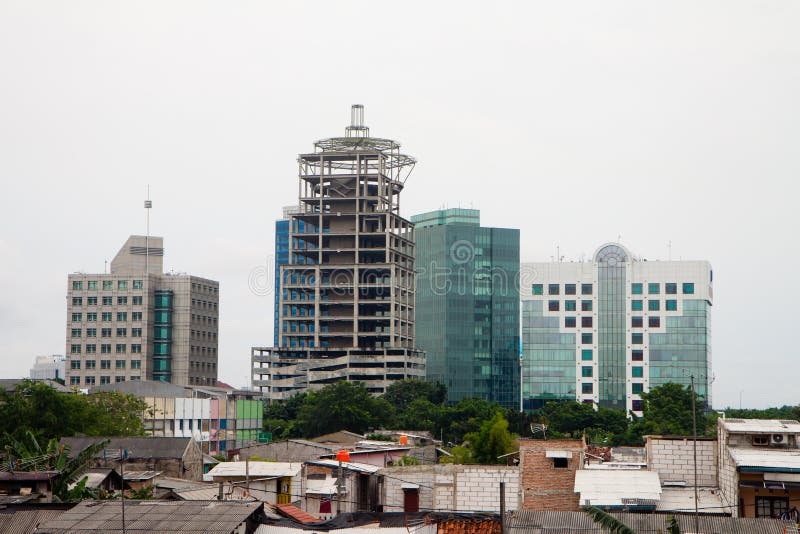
115 414
491 441
466 416
402 393
342 406
607 521
667 410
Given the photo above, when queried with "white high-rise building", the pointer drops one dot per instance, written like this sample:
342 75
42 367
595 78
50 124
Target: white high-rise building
606 330
49 367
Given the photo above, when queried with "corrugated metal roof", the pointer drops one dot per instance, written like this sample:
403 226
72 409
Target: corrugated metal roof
254 469
137 447
765 426
25 521
352 466
141 475
613 487
537 522
775 459
682 500
367 529
24 476
297 514
151 516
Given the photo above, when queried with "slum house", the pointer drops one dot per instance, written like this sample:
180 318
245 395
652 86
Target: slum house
280 482
289 450
164 517
28 486
548 470
176 457
101 478
326 495
458 488
759 466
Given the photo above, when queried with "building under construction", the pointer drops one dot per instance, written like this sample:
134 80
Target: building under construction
346 307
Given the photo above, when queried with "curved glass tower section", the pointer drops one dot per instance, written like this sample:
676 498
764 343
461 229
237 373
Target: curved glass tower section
162 336
611 339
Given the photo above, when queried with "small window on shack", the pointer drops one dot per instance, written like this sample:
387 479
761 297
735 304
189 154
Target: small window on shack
560 463
760 440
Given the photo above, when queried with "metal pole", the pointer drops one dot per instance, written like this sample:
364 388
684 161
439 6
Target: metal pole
502 508
122 474
247 475
694 440
339 489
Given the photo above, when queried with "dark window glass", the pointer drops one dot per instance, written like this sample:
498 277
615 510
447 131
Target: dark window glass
653 288
560 463
552 289
586 371
586 322
653 305
586 305
569 322
587 388
637 321
636 289
570 289
672 305
586 338
537 289
671 288
637 388
586 289
637 405
637 338
586 355
688 289
569 305
553 305
637 372
654 322
636 305
637 355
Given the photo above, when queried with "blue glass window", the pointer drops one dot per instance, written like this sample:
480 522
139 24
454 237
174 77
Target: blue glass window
587 371
653 305
672 305
586 355
688 288
653 288
637 372
636 289
637 305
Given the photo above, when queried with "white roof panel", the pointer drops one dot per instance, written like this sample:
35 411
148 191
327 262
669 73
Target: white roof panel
608 487
788 459
558 454
255 469
682 500
764 426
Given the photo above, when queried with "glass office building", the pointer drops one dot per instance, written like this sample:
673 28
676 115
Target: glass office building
467 303
605 331
281 258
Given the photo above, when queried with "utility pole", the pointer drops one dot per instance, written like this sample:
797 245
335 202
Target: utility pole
694 446
502 508
247 475
122 454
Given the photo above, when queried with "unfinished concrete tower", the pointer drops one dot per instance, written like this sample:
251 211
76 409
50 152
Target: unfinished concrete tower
347 292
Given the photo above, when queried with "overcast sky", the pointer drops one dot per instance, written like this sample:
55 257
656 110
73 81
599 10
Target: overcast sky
575 122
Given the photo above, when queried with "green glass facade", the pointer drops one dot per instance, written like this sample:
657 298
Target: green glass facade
467 305
162 335
611 342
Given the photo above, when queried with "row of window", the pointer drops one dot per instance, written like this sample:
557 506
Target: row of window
204 305
106 317
569 289
108 301
105 348
211 321
587 388
104 364
105 332
205 288
197 351
205 336
90 380
636 305
637 355
108 285
587 371
654 288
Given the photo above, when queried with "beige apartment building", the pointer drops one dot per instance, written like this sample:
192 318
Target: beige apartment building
138 323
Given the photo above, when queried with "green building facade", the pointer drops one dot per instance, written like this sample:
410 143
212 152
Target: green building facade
467 305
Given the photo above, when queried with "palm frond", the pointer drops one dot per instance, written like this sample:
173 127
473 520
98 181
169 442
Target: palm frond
607 521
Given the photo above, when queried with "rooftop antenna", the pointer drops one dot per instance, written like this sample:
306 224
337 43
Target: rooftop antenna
357 128
148 205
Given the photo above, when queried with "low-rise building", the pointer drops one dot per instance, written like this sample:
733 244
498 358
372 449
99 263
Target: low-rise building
280 482
33 486
176 457
548 470
672 457
220 420
451 487
759 466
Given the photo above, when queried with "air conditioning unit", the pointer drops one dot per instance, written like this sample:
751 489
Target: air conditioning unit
779 439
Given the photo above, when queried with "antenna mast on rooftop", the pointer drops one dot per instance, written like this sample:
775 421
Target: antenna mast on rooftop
148 205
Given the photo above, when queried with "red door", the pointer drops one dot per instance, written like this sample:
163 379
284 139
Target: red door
410 500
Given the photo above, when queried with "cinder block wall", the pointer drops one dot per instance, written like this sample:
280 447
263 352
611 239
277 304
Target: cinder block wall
543 486
673 459
463 488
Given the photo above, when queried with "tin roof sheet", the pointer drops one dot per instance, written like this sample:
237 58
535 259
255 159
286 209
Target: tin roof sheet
352 466
255 469
765 426
767 458
613 487
682 500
